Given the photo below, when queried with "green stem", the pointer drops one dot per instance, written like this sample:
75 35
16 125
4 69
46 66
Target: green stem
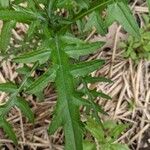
10 102
65 88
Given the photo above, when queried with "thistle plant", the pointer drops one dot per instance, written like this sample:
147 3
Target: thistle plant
58 51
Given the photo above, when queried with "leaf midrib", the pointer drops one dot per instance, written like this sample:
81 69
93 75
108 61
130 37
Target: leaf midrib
64 86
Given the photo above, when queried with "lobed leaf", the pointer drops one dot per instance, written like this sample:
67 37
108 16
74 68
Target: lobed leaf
65 108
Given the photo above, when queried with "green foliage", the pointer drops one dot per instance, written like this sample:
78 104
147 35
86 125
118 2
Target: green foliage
6 35
4 3
58 52
19 16
24 107
40 83
120 12
105 136
137 49
148 3
95 20
75 51
8 87
8 129
83 68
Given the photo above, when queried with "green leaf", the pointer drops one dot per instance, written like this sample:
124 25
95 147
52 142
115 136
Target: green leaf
109 19
8 87
147 47
89 145
25 109
65 4
118 146
65 108
95 129
100 94
40 83
90 79
51 7
70 39
44 2
96 21
55 124
84 4
33 56
31 4
145 36
101 5
8 129
80 101
109 124
24 70
98 108
148 3
6 35
40 96
32 28
106 146
8 15
85 68
4 3
121 13
82 49
115 132
80 25
28 82
18 1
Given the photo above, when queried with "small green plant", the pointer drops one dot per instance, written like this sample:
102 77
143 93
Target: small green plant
104 137
51 45
138 49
